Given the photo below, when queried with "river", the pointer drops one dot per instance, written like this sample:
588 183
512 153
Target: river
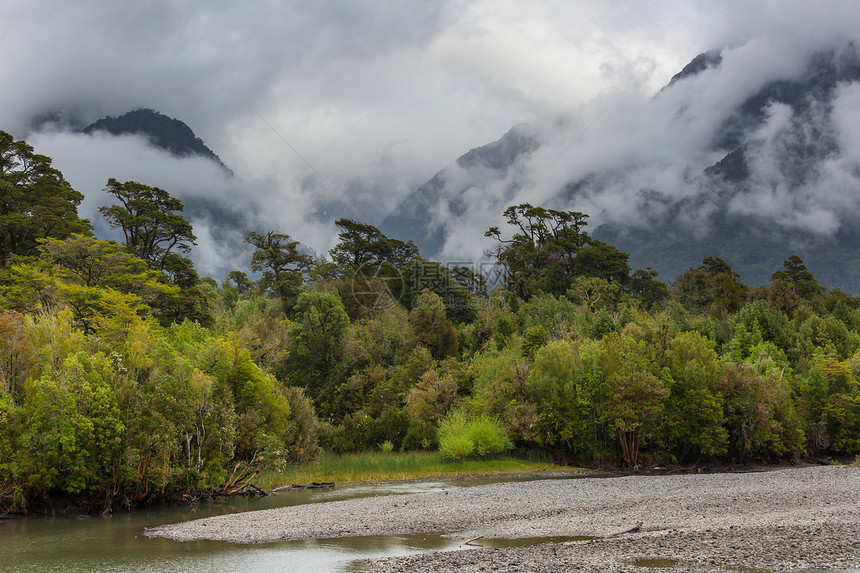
78 544
71 544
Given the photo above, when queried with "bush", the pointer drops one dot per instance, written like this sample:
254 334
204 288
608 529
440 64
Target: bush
461 436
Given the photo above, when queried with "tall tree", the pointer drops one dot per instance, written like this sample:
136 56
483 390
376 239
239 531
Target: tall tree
712 286
549 248
362 245
150 219
278 256
35 201
795 271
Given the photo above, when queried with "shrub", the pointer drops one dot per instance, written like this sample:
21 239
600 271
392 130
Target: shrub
461 436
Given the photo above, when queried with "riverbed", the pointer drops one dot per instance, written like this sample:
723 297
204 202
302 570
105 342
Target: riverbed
79 544
794 519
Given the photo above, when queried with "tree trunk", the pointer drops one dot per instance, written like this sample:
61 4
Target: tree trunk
629 447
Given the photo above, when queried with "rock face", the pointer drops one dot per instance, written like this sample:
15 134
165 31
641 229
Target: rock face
163 132
781 174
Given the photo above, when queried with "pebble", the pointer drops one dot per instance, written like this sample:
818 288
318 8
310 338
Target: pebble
782 520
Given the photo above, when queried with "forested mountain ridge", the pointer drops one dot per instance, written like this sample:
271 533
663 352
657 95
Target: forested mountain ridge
162 131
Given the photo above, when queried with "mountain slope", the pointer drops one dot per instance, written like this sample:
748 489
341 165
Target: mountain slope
720 162
164 132
445 195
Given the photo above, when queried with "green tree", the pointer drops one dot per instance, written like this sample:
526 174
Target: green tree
150 219
796 272
432 326
35 201
644 287
541 237
566 385
279 257
760 418
104 285
634 395
74 427
711 287
693 419
316 346
364 246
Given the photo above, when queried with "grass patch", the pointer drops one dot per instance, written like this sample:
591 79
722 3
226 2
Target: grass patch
378 466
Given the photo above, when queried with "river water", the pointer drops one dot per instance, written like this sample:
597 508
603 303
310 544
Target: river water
114 544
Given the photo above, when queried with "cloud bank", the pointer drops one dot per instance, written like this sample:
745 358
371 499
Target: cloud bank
334 109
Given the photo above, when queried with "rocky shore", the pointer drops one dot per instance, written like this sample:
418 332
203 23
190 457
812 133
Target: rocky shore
782 520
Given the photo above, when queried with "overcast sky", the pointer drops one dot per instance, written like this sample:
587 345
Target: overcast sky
359 101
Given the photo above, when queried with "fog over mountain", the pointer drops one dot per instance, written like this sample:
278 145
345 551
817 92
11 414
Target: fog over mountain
348 109
730 159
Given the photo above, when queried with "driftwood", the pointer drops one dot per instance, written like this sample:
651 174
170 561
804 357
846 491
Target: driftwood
633 529
469 542
240 482
299 487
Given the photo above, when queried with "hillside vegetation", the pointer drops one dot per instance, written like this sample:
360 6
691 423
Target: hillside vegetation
125 378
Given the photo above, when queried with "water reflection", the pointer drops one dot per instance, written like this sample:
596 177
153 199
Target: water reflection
115 544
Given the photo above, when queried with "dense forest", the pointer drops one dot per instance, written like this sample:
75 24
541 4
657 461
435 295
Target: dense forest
125 378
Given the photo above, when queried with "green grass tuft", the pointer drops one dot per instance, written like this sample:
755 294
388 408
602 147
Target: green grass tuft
378 466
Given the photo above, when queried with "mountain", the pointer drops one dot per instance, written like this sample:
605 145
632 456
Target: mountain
164 132
445 195
794 160
781 172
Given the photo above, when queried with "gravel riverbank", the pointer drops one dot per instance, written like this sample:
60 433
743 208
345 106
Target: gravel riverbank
790 519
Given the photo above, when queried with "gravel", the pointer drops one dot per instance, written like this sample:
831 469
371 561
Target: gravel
786 520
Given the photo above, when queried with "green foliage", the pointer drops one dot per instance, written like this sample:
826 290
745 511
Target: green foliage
150 219
433 395
644 287
131 378
760 418
279 258
694 412
533 339
602 325
432 327
105 287
796 273
461 436
634 395
711 287
315 345
549 248
36 202
558 316
73 427
566 385
460 303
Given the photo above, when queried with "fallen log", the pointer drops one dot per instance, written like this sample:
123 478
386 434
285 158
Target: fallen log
633 529
299 487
